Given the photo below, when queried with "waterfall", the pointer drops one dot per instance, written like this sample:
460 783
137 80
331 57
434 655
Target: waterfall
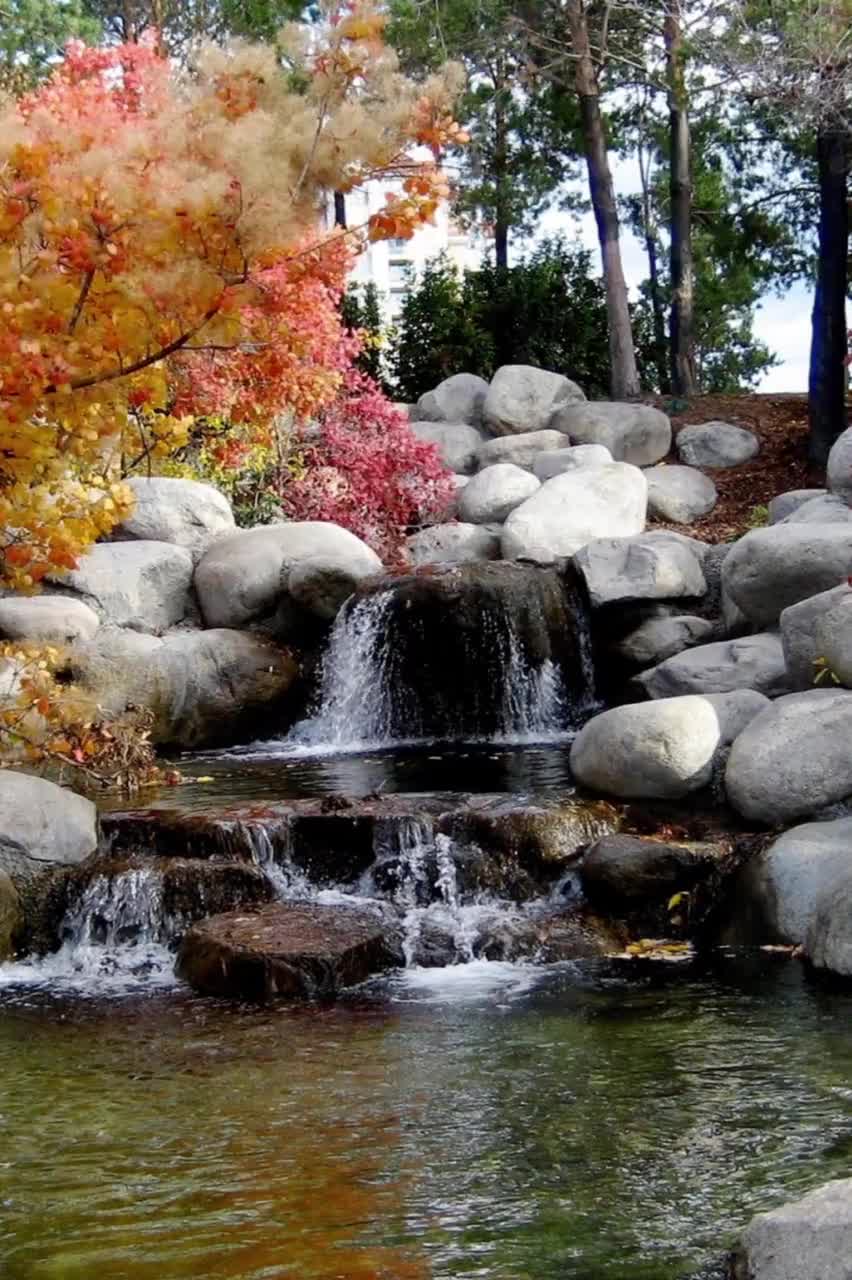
496 653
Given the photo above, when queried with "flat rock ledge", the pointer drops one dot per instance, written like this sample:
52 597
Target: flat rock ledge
299 951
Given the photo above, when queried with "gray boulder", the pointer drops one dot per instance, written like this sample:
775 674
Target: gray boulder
752 662
622 871
183 512
770 569
716 445
494 492
829 509
679 494
456 399
660 750
817 638
786 503
660 638
794 758
52 823
322 584
777 893
573 509
142 585
48 619
521 450
809 1239
635 433
555 461
457 443
202 688
839 471
639 568
453 544
522 399
241 578
828 940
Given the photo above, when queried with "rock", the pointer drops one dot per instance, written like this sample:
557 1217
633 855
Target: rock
770 569
839 470
817 638
52 823
794 758
521 450
322 584
716 445
295 950
553 462
456 442
453 544
456 399
203 688
660 638
786 503
826 510
182 512
494 492
640 568
809 1239
660 750
635 433
241 578
46 619
573 509
828 940
142 585
679 494
752 662
622 871
522 399
11 916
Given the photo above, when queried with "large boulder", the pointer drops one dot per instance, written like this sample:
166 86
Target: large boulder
11 916
660 750
679 494
635 433
522 398
573 509
828 509
521 450
454 544
839 471
142 585
623 871
202 688
828 940
184 512
785 504
553 462
456 399
809 1239
290 950
456 442
640 568
46 619
752 662
321 585
241 578
794 758
716 445
52 823
817 638
770 569
656 639
495 492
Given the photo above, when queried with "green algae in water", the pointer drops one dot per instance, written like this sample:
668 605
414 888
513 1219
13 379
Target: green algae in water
567 1127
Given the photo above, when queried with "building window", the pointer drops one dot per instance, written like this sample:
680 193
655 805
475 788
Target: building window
398 275
398 247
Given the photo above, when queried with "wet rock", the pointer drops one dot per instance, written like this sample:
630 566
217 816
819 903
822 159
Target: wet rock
289 950
544 841
520 450
716 445
808 1239
785 504
495 492
622 871
321 585
185 513
635 433
141 585
11 916
770 569
46 619
457 442
554 462
574 509
576 935
52 823
839 470
35 885
522 398
679 494
659 638
456 399
828 940
793 759
752 662
447 544
817 639
639 568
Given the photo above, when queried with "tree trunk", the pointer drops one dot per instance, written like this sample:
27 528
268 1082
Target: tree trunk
624 376
501 178
682 321
829 342
649 233
339 209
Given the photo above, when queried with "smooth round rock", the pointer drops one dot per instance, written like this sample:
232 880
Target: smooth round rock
495 492
679 494
636 433
716 445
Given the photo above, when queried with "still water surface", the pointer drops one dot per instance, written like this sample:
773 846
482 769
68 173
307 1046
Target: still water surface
488 1121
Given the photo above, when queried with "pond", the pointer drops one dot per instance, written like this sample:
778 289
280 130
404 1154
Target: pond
487 1120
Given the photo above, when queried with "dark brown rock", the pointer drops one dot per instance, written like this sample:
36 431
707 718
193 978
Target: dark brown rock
295 950
623 872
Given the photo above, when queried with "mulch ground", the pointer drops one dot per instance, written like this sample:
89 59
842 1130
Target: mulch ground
781 423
